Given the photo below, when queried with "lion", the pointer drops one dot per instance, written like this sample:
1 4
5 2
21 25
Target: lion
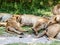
18 17
3 24
41 23
5 16
28 19
36 22
51 31
14 26
56 10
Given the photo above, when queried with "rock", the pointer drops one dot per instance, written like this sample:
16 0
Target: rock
5 16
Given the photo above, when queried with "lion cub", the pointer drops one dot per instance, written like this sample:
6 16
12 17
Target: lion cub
14 26
4 23
18 17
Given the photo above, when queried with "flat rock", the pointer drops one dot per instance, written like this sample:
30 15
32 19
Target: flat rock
9 40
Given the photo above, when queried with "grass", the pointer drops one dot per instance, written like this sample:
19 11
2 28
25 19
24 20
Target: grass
2 30
22 8
28 29
53 43
17 44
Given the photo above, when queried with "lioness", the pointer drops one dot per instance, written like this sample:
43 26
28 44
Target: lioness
51 31
27 19
5 16
35 21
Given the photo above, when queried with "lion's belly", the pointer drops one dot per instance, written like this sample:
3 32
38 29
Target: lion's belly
53 30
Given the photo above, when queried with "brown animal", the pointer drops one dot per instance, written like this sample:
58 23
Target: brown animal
27 19
3 24
56 9
51 31
35 21
14 26
7 17
18 17
40 24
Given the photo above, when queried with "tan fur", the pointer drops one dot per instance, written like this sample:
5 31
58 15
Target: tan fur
18 17
40 24
56 9
36 22
13 26
3 24
55 19
27 19
51 31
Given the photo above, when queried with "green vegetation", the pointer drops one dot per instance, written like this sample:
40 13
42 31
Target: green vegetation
2 30
53 43
18 44
37 7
